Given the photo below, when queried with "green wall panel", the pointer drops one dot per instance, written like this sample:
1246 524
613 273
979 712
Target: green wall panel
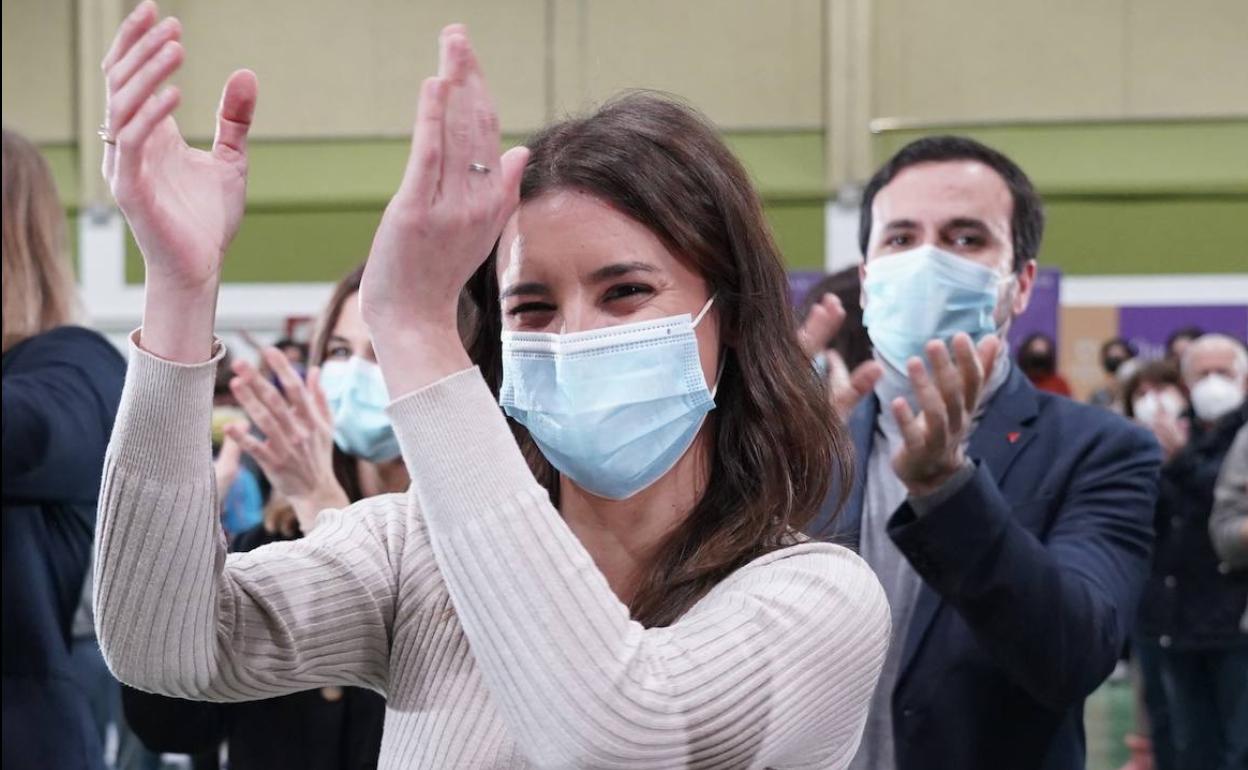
313 205
799 230
1125 198
783 165
289 246
63 161
1112 235
314 245
1111 158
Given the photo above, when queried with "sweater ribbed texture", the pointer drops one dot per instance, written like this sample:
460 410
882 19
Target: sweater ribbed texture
470 605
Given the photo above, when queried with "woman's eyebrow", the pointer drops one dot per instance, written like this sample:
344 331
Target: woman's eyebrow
530 287
620 269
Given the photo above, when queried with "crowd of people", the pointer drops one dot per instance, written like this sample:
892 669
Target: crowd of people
562 479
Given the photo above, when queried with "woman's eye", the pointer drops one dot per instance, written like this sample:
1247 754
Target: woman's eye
531 307
338 353
626 290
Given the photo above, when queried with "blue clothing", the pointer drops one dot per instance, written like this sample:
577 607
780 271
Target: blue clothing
1031 573
243 508
60 393
1207 692
1157 697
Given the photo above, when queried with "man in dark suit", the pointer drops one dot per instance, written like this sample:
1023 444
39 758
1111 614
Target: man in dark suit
1010 528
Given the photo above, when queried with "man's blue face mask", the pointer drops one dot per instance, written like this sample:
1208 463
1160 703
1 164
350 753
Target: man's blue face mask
613 409
926 294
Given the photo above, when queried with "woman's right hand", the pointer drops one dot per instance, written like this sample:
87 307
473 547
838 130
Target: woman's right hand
297 451
183 205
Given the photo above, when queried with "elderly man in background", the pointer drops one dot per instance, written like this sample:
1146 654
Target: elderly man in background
1197 616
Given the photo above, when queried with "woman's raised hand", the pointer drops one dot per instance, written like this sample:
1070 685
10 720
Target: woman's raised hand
183 205
297 450
457 193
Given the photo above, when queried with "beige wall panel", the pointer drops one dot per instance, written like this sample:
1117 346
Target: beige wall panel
994 59
329 68
746 63
1188 58
38 68
567 52
1082 331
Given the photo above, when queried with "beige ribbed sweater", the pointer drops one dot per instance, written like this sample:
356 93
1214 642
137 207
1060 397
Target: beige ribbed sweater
469 604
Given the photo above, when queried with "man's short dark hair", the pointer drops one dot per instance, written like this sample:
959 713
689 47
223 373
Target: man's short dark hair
1027 219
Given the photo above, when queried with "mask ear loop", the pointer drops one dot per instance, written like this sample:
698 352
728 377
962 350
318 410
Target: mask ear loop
723 357
705 308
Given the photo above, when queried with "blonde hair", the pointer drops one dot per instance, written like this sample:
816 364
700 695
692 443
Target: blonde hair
39 292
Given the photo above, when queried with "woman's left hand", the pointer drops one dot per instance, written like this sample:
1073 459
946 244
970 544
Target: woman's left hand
441 224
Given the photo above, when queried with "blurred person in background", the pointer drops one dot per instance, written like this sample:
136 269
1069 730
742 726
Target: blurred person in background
241 486
1114 353
1011 528
833 334
296 352
1037 358
1190 616
62 384
325 444
1156 398
1179 339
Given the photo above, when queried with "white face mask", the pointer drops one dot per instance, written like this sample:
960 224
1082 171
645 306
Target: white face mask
1148 406
1215 396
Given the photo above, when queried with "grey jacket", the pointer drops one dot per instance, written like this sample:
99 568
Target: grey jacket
1230 507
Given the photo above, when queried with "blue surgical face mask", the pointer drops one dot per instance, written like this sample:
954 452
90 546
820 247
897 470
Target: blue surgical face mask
612 409
926 294
358 399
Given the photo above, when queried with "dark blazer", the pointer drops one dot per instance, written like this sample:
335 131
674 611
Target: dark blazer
1189 602
302 731
61 390
1031 574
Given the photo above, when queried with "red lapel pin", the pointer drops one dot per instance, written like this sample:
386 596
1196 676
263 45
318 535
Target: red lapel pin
1012 437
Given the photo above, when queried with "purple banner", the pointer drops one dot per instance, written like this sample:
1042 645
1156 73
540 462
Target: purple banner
800 282
1041 314
1148 327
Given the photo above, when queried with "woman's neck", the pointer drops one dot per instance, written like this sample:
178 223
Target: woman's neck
623 536
383 478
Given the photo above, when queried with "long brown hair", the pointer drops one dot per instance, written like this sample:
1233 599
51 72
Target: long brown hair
346 468
38 285
777 442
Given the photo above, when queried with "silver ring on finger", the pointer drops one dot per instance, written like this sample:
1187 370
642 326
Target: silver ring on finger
105 135
480 168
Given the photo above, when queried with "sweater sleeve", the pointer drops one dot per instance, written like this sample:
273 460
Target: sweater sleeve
175 615
774 667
